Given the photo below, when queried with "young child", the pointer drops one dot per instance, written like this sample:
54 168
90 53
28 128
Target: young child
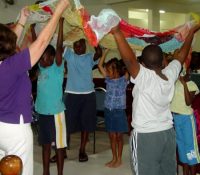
152 142
115 104
185 125
50 106
80 96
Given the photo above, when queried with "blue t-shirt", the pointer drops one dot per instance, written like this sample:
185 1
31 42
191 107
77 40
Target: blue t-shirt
15 88
116 93
49 100
79 72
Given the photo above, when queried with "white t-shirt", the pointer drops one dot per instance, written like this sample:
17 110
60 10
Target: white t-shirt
151 99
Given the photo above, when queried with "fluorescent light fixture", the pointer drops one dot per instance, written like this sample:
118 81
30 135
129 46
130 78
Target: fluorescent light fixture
161 11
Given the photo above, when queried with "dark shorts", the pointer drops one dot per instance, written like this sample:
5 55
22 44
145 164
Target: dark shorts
47 131
115 120
81 112
52 128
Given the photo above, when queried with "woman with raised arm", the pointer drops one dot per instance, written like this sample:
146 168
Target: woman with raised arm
15 86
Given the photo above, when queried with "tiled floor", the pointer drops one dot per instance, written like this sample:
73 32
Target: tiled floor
96 163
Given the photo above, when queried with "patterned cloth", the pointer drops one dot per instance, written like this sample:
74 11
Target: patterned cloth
116 93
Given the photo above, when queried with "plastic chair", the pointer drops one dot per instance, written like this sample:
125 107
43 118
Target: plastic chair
100 97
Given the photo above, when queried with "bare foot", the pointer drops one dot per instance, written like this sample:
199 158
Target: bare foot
117 164
111 163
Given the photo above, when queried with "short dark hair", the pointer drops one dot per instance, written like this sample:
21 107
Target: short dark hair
81 41
152 56
8 41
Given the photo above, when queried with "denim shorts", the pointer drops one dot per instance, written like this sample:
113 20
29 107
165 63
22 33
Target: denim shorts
116 120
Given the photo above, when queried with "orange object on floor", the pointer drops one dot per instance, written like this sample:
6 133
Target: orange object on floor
11 165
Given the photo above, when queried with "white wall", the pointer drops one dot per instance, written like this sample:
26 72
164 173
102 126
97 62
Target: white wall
10 13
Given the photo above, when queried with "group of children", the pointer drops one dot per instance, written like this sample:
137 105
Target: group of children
80 100
153 140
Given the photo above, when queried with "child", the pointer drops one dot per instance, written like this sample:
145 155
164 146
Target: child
80 96
152 140
50 106
115 105
185 125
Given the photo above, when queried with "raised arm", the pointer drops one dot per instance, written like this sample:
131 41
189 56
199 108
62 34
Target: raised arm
19 27
101 62
38 47
59 46
128 56
34 36
98 53
184 50
189 96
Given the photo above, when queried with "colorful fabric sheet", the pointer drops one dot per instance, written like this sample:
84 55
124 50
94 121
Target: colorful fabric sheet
77 26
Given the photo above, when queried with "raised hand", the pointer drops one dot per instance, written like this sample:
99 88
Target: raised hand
24 14
195 28
115 29
39 45
185 48
62 5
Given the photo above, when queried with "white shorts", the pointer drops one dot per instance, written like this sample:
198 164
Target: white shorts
17 139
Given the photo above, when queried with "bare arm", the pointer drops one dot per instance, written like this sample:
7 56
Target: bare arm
101 62
19 27
38 47
34 36
98 53
184 50
189 96
59 46
128 56
127 75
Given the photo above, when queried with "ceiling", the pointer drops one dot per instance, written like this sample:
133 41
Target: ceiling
121 1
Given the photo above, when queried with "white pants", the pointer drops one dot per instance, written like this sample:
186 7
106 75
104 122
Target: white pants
17 139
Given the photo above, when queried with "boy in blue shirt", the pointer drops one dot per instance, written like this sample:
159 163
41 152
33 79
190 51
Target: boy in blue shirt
80 100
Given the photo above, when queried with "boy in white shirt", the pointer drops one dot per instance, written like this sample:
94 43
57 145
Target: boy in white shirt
152 140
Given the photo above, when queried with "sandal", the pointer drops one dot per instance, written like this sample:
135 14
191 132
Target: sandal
83 157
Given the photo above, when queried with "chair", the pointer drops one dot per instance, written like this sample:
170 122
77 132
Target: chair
100 96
